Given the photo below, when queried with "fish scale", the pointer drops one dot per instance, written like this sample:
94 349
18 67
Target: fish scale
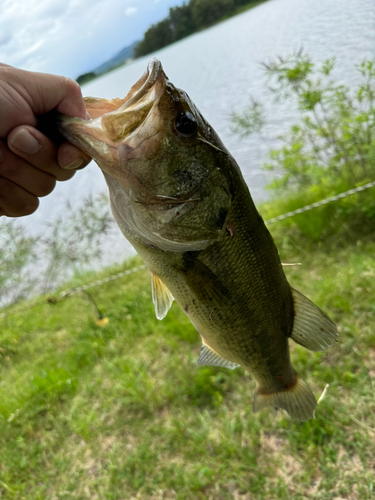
180 199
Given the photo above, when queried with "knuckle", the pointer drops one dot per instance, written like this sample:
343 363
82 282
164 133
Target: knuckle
73 87
46 186
30 206
11 166
66 175
15 201
5 189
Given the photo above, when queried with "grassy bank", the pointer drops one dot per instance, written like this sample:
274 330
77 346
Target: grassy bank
122 411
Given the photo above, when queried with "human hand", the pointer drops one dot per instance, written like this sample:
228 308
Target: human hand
30 162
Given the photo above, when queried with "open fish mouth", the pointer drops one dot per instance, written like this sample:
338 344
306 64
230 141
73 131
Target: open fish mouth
116 120
161 172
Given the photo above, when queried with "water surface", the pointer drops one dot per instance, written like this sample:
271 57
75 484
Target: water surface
220 68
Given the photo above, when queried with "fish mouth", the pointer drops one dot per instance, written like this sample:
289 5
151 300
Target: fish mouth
115 121
147 147
144 84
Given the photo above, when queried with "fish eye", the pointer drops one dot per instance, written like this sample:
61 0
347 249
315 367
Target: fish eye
186 124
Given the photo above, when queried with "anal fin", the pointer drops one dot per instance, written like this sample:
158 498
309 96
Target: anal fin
209 357
161 296
311 327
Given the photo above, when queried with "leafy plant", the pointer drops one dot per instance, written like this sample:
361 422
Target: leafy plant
72 245
331 149
17 253
73 242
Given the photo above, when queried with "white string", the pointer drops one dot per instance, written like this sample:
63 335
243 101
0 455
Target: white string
320 203
72 291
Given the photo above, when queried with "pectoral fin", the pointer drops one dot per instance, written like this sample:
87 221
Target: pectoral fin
161 296
203 282
210 358
311 327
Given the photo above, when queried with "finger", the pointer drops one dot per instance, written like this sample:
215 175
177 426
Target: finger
39 151
20 172
69 157
45 92
15 201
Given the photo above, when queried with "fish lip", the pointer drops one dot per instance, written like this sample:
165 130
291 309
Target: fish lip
100 129
154 67
155 71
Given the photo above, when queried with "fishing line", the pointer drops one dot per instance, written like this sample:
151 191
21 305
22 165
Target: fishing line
320 203
79 289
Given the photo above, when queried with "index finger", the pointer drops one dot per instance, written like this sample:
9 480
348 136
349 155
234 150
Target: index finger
44 92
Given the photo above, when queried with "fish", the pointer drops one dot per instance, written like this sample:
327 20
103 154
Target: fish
180 199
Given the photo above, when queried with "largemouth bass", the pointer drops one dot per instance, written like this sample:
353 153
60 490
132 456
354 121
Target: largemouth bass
179 197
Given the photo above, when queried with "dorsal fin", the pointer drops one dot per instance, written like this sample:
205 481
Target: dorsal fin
161 296
311 327
209 357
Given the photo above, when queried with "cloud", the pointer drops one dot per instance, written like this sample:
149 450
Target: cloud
71 37
130 11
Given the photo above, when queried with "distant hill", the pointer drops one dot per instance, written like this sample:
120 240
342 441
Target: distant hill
120 58
124 55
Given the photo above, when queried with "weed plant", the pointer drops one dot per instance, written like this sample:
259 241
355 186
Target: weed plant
122 411
71 245
119 409
331 149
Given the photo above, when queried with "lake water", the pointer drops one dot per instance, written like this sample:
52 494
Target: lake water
220 69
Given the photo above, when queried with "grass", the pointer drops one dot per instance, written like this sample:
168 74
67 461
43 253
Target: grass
122 412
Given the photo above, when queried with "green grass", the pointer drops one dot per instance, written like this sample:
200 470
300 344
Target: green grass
123 412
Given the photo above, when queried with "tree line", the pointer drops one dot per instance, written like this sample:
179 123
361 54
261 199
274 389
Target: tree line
185 20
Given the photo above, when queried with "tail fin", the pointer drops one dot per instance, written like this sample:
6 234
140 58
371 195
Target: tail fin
297 400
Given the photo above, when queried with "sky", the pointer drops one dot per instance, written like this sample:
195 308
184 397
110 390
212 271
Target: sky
71 37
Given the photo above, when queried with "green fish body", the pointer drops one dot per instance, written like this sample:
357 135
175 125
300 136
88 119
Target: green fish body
180 199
